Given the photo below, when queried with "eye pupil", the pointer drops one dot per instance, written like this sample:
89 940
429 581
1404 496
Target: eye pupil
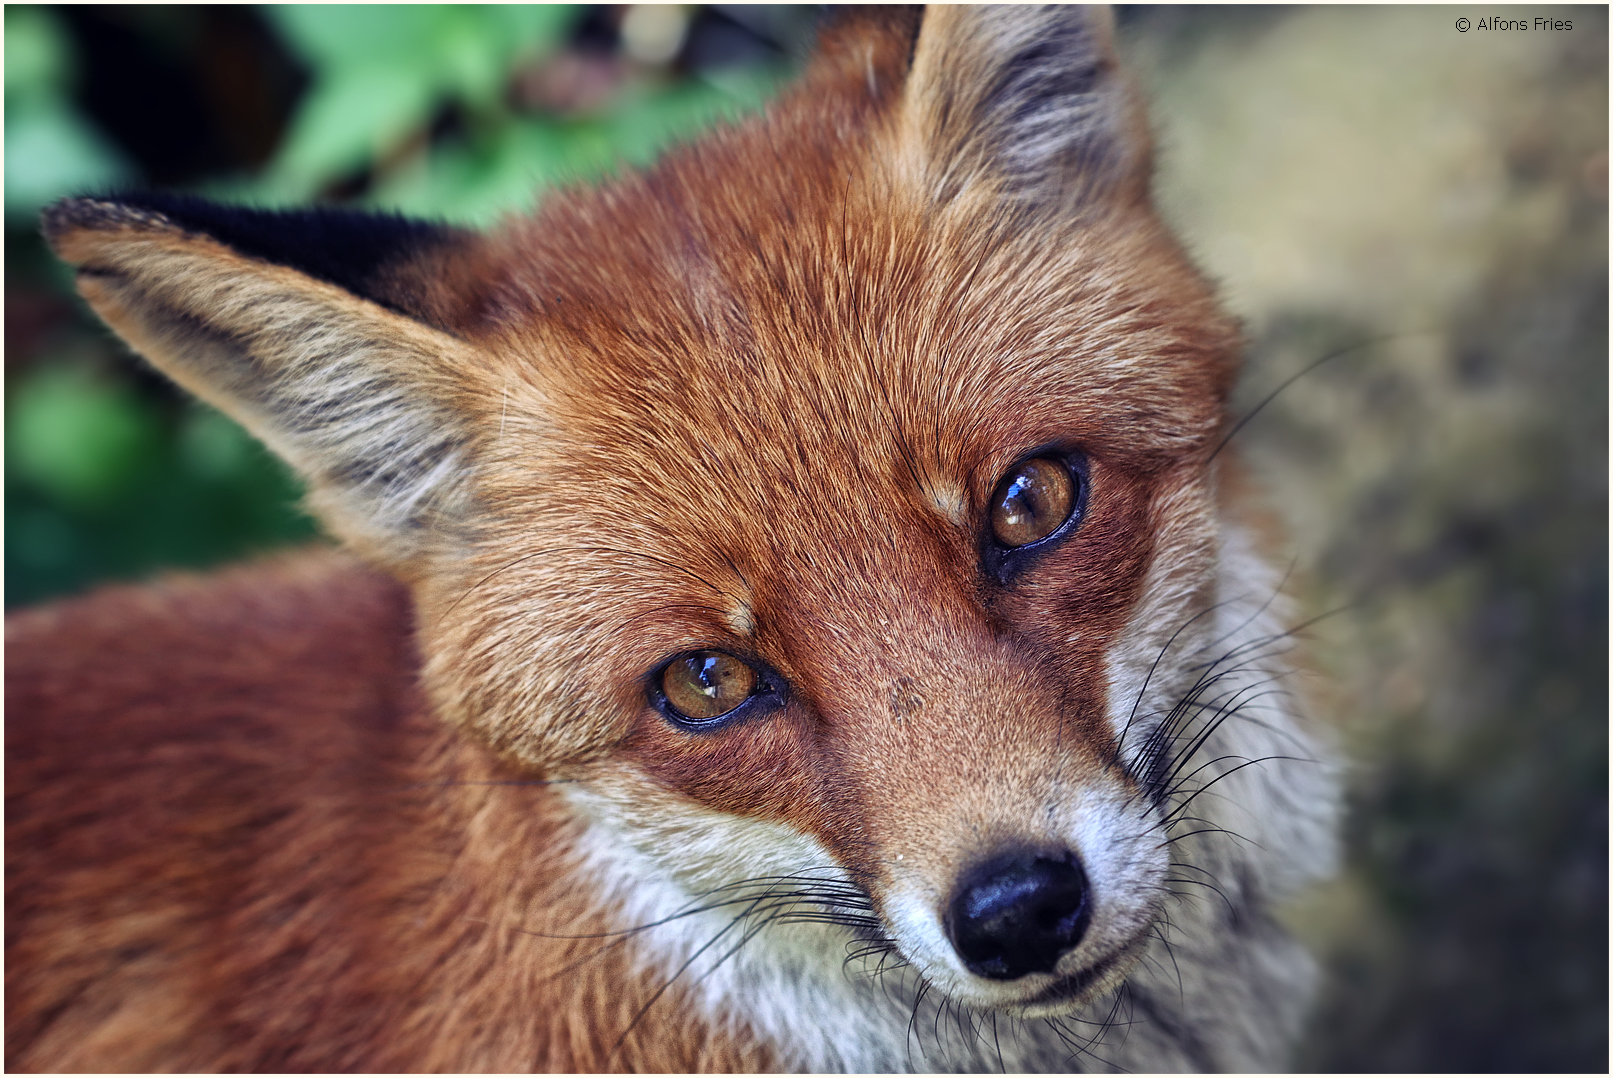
707 684
1032 502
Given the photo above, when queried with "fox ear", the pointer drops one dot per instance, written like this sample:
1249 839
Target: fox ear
296 325
1027 98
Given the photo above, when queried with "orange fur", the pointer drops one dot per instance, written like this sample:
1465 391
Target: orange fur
298 868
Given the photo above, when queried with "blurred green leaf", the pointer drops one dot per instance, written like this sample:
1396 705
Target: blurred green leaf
477 184
38 538
214 447
643 124
348 118
748 87
38 58
52 152
511 163
340 35
381 73
473 42
77 437
532 29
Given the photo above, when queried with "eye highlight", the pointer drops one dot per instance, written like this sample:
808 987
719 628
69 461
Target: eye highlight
705 685
1032 501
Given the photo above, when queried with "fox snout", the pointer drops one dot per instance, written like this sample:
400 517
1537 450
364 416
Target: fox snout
1032 912
1018 913
1015 859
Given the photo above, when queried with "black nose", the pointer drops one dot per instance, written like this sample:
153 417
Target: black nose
1016 915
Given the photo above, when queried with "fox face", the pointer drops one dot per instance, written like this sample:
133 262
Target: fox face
831 512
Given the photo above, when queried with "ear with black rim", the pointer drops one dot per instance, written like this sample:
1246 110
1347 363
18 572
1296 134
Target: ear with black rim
297 326
1026 101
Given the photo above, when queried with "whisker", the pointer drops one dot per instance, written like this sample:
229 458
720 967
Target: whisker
659 992
1248 763
1307 369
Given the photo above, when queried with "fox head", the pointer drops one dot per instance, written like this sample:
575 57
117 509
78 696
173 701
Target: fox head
832 497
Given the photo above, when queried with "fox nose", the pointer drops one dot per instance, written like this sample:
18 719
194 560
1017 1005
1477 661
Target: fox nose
1018 914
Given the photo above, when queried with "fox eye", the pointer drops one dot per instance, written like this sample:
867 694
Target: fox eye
1032 501
706 685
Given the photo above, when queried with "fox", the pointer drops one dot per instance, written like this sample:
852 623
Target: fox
792 611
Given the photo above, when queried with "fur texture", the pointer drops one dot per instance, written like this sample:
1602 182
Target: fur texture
754 400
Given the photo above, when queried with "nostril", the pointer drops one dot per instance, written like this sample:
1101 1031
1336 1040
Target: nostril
1018 915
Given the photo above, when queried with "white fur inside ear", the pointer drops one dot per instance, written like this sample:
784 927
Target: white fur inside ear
1027 97
357 399
381 452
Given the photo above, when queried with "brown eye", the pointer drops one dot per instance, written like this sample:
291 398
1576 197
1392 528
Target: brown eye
707 684
1032 501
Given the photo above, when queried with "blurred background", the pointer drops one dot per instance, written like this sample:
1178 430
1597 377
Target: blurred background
1427 207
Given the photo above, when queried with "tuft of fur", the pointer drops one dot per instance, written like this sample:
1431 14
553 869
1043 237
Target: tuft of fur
755 399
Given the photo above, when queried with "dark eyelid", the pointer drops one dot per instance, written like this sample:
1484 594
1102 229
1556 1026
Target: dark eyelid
769 695
1001 564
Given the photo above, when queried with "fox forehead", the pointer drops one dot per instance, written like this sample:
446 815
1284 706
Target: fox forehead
788 380
851 348
857 314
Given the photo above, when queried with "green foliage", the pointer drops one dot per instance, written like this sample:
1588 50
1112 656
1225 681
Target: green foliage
50 149
384 75
102 482
77 438
380 72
